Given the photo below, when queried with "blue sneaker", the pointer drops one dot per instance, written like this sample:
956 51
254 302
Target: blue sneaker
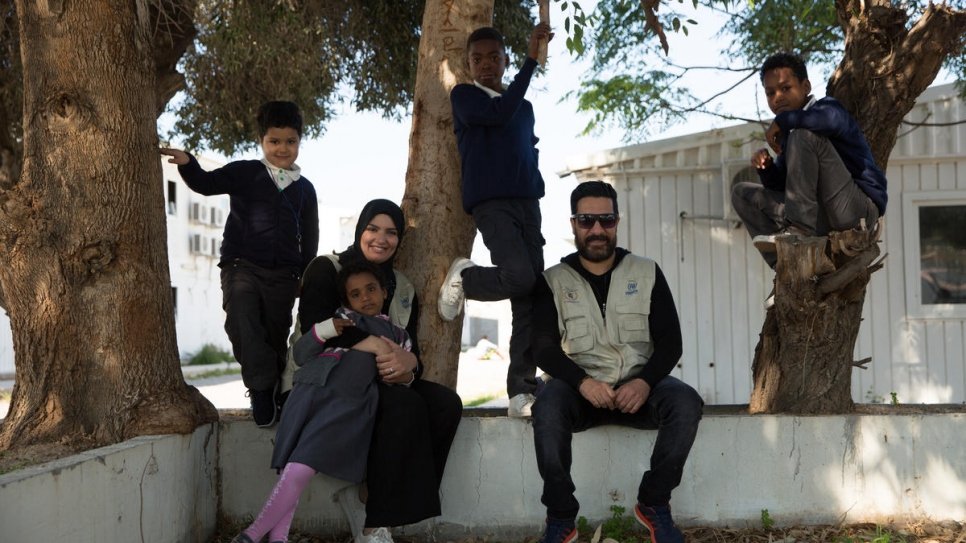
559 531
657 519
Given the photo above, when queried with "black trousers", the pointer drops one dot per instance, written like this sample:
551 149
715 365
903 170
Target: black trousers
258 303
673 408
414 430
511 231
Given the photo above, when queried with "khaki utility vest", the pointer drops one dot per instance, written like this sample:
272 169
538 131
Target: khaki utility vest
400 309
609 349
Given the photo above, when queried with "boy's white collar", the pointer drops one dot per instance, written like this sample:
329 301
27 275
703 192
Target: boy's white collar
283 178
811 100
492 93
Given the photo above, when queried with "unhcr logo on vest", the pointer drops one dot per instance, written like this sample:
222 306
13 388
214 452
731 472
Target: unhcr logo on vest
405 302
571 295
631 288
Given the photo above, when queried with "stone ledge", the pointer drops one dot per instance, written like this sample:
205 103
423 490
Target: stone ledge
863 467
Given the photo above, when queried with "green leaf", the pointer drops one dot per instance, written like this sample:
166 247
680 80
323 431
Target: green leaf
567 25
685 30
676 23
563 6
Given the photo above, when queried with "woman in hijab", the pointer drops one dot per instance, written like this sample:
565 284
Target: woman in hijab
414 425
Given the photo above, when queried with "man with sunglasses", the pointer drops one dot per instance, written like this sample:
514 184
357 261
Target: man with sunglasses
605 327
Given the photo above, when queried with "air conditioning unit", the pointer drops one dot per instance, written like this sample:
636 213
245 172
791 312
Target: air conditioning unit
732 172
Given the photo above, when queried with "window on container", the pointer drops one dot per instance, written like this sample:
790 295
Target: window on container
935 253
942 254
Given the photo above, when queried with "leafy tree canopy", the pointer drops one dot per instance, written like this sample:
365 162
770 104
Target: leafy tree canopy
617 34
316 53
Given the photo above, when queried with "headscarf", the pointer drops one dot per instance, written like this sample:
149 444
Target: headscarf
354 251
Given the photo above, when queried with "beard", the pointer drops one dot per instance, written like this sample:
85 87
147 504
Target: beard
598 253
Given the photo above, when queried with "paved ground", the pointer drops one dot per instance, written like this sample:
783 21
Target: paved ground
479 378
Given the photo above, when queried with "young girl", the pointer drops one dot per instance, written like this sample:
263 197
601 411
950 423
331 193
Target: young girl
327 422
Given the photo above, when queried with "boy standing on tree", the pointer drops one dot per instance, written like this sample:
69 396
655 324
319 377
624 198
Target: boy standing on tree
271 234
823 177
501 186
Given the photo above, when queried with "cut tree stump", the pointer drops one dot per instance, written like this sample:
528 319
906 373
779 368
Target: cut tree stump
803 362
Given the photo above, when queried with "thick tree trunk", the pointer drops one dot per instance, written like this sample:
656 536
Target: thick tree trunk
803 361
438 229
83 235
888 63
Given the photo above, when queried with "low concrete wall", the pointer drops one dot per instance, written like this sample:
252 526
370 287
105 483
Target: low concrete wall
810 470
150 489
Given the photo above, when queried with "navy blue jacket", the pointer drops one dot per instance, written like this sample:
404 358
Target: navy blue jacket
496 141
267 227
829 119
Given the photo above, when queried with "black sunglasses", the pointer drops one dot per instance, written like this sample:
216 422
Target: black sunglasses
587 220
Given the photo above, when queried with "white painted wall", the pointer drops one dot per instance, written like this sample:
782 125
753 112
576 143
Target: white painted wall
719 281
153 489
804 470
886 469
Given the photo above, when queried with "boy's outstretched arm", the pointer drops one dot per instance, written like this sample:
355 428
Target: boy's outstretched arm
178 156
540 32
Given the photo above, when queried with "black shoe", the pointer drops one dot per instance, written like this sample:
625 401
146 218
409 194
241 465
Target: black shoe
264 408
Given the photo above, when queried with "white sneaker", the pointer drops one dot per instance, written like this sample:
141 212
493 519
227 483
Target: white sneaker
354 509
520 405
450 301
379 535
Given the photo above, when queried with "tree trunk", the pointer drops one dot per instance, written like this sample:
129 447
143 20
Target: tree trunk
438 228
888 63
803 362
83 236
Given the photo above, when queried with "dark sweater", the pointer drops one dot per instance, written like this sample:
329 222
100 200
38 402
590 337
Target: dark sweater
496 141
827 118
662 322
267 227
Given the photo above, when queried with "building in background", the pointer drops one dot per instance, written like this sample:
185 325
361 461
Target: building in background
195 224
674 199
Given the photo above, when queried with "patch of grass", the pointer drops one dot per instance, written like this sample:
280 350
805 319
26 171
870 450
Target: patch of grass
210 354
618 527
476 402
895 398
213 373
766 521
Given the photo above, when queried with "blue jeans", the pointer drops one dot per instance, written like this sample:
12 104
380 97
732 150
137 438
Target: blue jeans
511 231
673 408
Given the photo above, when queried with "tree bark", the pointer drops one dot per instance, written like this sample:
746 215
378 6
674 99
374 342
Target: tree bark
438 228
83 236
888 63
803 361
